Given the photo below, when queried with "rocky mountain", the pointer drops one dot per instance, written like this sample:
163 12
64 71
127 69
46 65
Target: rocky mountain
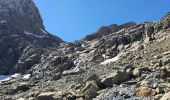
22 35
106 30
118 62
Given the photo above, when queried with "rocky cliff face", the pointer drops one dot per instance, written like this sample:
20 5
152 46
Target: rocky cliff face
22 14
21 27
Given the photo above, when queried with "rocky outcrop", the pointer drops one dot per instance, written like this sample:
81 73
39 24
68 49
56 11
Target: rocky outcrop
106 30
115 78
21 32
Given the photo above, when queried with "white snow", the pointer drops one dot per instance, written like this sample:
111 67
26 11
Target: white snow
8 77
80 64
3 21
110 60
83 46
28 33
15 75
27 76
45 32
20 99
4 78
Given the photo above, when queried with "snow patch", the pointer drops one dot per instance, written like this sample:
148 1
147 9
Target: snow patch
20 99
3 21
4 78
15 75
110 60
8 77
28 33
83 46
27 76
45 32
82 64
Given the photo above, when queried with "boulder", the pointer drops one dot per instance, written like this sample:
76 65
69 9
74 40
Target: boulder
166 53
56 76
157 97
24 86
51 95
159 90
145 92
137 72
94 77
115 78
164 73
166 96
90 90
166 61
150 31
46 96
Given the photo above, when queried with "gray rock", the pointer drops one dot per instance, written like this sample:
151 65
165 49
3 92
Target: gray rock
24 86
90 90
166 61
106 30
46 96
21 27
159 90
115 78
56 76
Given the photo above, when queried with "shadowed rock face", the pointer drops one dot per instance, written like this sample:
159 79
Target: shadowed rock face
21 27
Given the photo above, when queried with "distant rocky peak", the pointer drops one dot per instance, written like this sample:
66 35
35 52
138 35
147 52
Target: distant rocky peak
128 24
106 30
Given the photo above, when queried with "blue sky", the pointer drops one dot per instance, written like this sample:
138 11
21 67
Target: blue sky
73 19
